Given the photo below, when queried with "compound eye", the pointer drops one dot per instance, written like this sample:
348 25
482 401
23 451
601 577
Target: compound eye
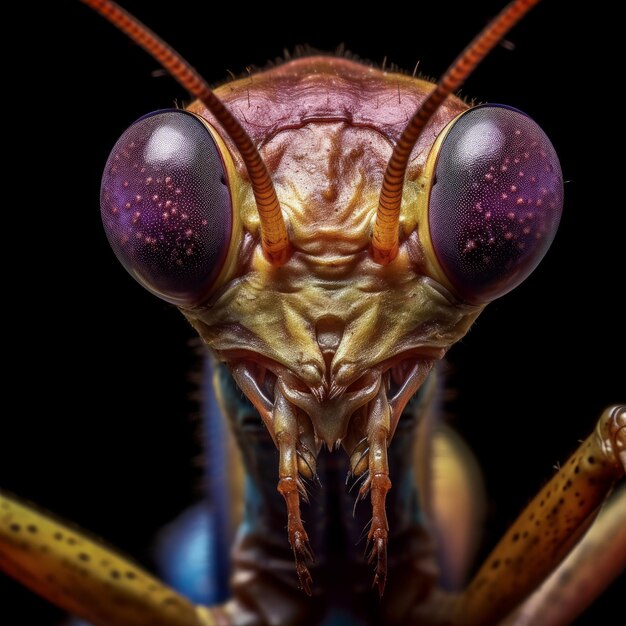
166 205
495 203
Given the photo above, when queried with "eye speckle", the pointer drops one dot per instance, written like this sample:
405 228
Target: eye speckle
165 208
487 257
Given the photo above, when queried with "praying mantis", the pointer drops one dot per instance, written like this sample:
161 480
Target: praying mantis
470 338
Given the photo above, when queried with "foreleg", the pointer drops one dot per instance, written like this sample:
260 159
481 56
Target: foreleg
549 526
591 567
86 579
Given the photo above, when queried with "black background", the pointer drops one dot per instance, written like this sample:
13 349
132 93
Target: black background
97 370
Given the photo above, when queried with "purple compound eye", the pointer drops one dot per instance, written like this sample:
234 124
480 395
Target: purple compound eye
496 201
166 205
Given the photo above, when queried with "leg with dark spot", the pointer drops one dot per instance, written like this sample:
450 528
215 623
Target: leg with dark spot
77 581
550 526
591 567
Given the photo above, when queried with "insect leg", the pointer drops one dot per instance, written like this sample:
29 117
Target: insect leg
584 574
550 525
378 484
86 579
285 424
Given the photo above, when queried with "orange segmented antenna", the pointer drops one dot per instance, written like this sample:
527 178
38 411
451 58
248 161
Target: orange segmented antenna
385 238
274 237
